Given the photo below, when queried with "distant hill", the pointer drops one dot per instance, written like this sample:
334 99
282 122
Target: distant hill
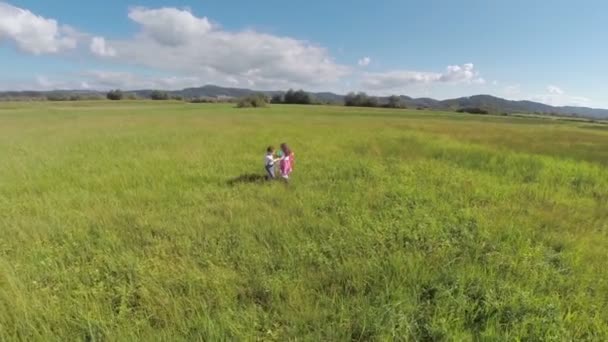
497 105
491 104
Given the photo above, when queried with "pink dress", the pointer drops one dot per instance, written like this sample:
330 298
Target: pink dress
286 165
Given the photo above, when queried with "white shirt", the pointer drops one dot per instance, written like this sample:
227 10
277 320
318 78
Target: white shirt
269 160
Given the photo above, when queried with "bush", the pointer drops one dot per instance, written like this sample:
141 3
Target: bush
115 95
277 98
256 101
209 99
159 95
360 100
395 102
473 110
57 97
203 100
61 96
297 97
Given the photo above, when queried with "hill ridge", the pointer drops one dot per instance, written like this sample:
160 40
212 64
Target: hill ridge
490 103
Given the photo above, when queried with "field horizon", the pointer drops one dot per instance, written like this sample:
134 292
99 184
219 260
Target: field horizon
123 221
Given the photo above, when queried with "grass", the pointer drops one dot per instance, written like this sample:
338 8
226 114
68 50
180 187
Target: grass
118 221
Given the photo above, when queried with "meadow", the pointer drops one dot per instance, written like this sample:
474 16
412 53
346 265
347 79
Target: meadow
126 221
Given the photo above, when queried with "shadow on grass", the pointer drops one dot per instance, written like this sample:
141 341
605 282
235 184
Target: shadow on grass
250 178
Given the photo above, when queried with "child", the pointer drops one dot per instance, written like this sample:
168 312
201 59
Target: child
287 161
269 162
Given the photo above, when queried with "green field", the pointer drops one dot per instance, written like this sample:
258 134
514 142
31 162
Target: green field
119 221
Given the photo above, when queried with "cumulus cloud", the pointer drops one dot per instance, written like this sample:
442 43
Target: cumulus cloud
465 73
551 89
555 96
170 26
176 40
199 51
365 61
37 83
562 100
103 80
100 48
396 79
32 33
461 73
43 82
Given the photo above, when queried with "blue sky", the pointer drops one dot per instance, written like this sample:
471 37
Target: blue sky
549 51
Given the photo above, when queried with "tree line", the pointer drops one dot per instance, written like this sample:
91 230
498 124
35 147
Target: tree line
291 96
117 95
301 97
254 100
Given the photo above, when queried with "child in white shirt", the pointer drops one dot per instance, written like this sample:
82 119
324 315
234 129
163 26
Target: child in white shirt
269 162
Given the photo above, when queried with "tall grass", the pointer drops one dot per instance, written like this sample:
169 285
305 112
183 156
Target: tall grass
118 221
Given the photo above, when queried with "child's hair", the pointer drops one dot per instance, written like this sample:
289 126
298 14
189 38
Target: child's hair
285 149
270 149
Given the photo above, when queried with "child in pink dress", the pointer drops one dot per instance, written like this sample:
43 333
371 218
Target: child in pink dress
287 161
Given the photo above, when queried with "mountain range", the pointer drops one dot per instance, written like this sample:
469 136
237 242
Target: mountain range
489 103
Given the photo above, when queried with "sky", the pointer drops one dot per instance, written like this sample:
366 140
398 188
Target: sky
550 51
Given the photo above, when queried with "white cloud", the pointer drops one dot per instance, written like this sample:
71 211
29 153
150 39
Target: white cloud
100 48
170 26
465 73
32 33
197 51
554 90
562 100
43 82
103 80
460 73
38 83
479 80
555 96
175 40
365 61
232 80
396 79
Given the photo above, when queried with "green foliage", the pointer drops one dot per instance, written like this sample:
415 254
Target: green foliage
159 95
203 100
255 101
63 96
472 110
57 97
395 101
297 97
277 98
118 223
360 100
115 95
